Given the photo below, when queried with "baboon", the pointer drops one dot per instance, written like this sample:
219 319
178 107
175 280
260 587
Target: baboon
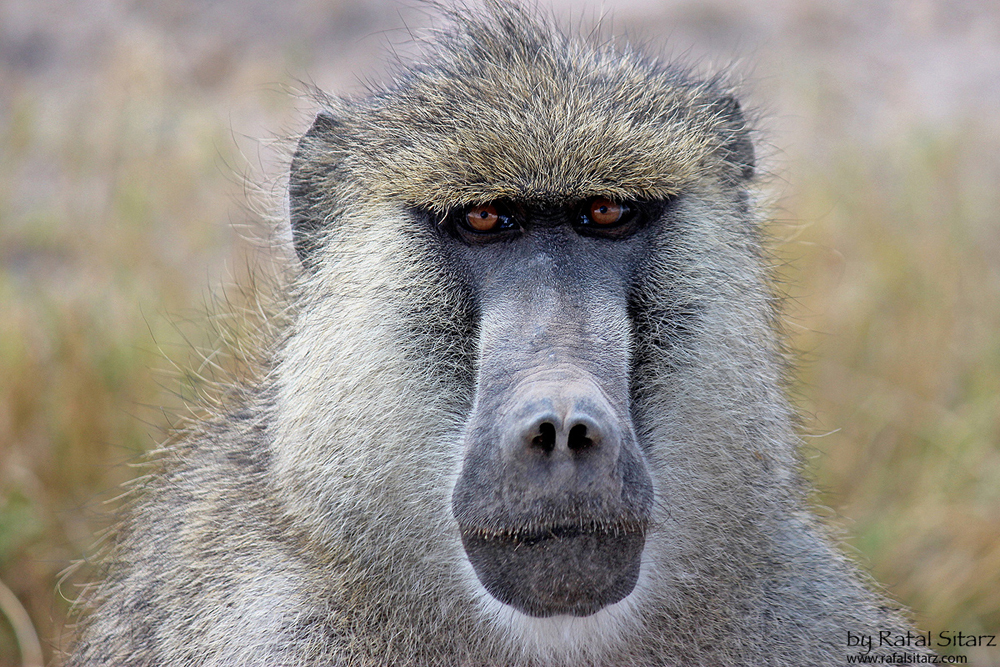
528 408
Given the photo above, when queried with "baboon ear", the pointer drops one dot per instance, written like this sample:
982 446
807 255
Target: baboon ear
313 173
738 146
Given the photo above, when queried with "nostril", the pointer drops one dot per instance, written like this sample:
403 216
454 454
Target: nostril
578 440
546 438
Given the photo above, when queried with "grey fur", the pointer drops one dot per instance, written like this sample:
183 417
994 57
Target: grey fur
311 523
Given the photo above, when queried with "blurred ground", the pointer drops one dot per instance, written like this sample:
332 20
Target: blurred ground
131 130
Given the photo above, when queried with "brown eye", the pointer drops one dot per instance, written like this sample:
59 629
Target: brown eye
605 212
482 218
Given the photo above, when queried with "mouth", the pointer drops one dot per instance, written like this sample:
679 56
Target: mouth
560 570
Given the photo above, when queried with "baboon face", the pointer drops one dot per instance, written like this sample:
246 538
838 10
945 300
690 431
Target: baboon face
547 175
554 496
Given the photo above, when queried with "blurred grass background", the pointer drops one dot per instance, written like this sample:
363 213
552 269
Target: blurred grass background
130 130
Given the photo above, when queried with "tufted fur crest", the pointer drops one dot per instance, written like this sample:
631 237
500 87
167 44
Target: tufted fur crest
506 106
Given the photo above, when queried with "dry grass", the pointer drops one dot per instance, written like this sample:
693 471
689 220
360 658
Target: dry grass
117 196
902 271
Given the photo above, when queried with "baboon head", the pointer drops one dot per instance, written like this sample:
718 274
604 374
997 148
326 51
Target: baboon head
532 188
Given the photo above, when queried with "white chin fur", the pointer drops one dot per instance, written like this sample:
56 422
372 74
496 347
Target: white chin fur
560 639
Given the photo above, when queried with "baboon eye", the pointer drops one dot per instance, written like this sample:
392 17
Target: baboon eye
605 218
604 212
482 218
483 222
